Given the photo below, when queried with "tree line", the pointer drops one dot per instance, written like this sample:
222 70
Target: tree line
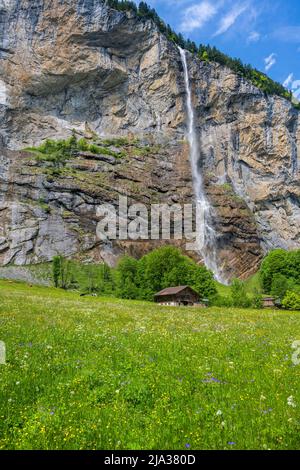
135 279
166 266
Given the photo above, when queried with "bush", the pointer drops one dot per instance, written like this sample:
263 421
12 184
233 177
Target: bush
280 285
221 301
256 301
291 301
93 148
83 145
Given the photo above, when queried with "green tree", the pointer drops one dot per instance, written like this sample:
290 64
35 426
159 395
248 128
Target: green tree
274 263
126 278
62 272
168 267
66 277
280 285
56 270
280 263
180 274
154 268
161 268
203 282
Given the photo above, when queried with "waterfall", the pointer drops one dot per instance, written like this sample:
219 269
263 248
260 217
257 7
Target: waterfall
208 236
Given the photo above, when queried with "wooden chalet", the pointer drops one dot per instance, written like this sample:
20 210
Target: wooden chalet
176 296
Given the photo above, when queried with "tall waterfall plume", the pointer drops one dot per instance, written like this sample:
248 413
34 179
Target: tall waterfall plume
207 236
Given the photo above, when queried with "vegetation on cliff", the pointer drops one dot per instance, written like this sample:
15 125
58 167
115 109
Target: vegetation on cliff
58 151
206 52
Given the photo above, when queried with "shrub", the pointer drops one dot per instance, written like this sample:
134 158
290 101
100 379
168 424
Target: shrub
221 301
83 145
256 301
291 301
93 148
280 285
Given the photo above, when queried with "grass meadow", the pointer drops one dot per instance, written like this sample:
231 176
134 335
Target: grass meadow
102 373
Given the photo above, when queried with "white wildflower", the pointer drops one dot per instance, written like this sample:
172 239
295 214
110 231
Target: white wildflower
291 402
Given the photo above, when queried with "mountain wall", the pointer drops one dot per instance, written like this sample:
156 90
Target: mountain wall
79 66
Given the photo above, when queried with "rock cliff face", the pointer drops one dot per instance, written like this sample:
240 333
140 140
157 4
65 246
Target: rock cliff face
77 64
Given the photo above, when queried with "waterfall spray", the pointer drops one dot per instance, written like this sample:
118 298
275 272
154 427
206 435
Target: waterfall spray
208 235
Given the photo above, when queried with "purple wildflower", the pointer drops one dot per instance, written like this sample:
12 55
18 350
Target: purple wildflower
211 379
265 412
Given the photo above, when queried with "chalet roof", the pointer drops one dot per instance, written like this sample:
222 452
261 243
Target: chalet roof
171 291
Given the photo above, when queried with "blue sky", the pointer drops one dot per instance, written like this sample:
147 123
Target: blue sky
264 33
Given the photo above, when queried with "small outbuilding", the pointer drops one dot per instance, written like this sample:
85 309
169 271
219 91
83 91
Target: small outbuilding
176 296
269 302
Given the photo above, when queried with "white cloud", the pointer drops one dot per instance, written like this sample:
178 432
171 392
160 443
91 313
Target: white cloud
254 36
230 18
293 85
270 61
288 81
296 84
195 16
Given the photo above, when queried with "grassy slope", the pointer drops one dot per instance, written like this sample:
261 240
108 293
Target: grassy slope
252 285
110 374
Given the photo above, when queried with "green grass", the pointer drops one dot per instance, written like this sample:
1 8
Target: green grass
89 373
223 290
252 285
